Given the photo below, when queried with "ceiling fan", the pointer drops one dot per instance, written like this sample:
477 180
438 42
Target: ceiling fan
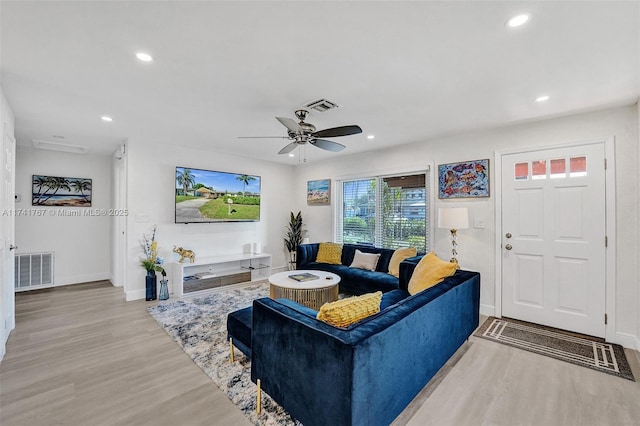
302 132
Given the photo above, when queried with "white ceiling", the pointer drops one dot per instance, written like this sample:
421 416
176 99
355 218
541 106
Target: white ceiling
404 71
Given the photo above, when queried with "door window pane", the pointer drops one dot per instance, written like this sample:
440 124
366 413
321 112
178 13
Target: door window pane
558 168
521 171
578 166
539 169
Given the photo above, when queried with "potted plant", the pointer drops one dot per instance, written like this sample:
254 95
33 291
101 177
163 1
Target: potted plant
294 237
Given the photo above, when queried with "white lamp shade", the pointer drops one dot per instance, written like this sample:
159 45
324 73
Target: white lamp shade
453 218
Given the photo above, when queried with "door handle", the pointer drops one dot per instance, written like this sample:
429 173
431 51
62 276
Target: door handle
508 247
508 235
12 247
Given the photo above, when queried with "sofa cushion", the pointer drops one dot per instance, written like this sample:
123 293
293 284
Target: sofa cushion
239 328
310 312
357 281
398 256
349 252
330 253
367 261
430 271
392 297
345 312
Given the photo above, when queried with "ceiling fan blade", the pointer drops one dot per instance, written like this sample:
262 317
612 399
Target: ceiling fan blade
262 137
328 145
338 131
287 149
289 124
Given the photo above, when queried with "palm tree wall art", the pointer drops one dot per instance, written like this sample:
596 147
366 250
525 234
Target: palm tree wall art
61 191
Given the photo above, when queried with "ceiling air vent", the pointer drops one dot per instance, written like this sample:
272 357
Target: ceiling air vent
321 105
58 146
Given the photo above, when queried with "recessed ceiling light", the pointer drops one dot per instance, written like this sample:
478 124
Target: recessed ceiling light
144 57
371 136
106 118
291 154
542 98
517 20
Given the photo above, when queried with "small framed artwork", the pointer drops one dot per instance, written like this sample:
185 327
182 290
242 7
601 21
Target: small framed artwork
61 191
468 179
319 192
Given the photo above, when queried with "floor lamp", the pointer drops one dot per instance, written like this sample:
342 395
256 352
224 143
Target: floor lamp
453 218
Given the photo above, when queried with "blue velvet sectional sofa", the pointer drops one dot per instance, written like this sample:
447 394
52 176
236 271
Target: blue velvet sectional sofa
368 373
352 280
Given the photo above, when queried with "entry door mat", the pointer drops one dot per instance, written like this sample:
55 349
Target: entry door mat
577 349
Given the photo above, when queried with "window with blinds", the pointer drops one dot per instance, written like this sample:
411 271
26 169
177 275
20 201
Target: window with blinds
386 211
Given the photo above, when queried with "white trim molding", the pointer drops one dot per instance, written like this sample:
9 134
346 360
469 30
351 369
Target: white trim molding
487 310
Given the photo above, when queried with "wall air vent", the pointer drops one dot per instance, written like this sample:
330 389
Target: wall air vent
321 105
33 270
58 146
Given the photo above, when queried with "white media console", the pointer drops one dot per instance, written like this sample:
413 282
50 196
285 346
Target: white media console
211 272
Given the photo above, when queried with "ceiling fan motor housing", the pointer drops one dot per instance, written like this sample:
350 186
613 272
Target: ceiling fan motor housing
307 128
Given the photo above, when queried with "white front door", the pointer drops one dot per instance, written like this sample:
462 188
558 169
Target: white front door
553 242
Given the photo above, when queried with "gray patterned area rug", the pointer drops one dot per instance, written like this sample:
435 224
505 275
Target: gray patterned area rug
199 326
570 347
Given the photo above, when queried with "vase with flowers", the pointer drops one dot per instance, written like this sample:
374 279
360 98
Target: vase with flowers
152 263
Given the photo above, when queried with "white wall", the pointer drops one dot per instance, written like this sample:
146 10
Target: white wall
81 245
476 246
7 299
151 201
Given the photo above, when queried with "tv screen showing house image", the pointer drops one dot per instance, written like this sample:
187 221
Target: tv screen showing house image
213 196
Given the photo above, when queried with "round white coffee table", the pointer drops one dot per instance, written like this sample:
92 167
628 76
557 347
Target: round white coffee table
312 293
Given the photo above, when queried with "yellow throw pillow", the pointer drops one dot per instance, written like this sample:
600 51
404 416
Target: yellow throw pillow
398 256
329 253
345 312
430 271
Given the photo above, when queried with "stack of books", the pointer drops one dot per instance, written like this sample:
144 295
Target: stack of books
304 277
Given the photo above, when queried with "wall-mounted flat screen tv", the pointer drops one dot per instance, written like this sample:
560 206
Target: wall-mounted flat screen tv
210 196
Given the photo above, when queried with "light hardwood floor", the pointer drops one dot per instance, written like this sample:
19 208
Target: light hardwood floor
487 383
81 355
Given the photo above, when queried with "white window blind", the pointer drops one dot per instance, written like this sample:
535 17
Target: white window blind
386 211
357 220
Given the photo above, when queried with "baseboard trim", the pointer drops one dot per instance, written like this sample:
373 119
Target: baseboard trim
78 279
135 295
487 310
627 340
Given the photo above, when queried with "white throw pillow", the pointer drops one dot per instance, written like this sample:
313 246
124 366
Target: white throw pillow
367 261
